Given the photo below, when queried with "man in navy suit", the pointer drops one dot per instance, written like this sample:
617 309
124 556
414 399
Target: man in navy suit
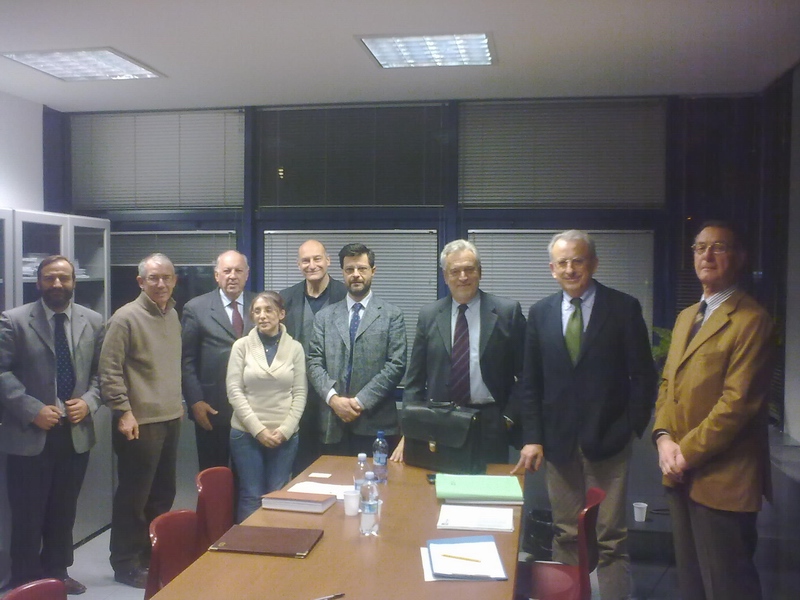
496 330
209 328
588 387
303 301
47 427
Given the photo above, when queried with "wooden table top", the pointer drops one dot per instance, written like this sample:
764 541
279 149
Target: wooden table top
364 568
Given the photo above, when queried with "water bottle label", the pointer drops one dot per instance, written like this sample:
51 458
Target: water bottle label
379 458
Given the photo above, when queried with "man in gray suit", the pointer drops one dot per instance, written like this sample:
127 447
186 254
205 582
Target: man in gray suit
210 324
356 360
49 352
495 336
303 301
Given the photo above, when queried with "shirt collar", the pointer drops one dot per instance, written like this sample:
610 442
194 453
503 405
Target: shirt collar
226 301
473 303
48 312
363 302
587 298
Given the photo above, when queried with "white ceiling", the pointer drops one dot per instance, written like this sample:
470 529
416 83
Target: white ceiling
224 53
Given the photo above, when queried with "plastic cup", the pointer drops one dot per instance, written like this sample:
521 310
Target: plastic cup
640 512
351 500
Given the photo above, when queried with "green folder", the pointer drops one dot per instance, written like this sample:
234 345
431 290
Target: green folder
478 489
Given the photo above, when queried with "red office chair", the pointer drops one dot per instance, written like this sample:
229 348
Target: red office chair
557 581
173 536
214 504
41 589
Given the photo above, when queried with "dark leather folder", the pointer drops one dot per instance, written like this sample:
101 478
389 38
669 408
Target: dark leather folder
275 541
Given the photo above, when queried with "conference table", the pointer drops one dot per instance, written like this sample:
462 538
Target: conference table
343 561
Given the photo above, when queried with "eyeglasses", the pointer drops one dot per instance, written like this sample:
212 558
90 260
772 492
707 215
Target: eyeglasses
716 247
360 270
154 279
577 263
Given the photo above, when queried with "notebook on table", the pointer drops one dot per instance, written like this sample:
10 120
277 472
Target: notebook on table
275 541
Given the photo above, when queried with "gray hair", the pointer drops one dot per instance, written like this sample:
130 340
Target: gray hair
216 261
458 246
156 257
573 235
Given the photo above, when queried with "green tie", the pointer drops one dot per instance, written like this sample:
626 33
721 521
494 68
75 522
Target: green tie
574 330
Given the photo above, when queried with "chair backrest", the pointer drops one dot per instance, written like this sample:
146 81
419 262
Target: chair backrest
173 537
587 538
214 503
41 589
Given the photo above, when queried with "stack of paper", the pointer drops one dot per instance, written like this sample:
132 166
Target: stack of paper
475 518
296 501
466 558
312 487
478 489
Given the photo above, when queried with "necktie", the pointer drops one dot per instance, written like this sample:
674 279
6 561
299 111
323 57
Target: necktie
698 321
65 372
355 320
459 360
238 323
574 331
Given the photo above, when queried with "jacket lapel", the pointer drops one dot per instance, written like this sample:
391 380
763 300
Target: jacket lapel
600 311
40 325
718 320
488 322
342 319
443 323
371 314
220 316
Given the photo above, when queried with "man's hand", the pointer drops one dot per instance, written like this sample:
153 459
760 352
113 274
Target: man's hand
77 409
347 409
270 439
397 455
200 411
670 458
530 459
128 426
47 418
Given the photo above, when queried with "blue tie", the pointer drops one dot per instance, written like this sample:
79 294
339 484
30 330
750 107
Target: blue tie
65 372
354 323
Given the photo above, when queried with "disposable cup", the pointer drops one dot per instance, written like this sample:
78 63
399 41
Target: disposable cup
639 511
351 499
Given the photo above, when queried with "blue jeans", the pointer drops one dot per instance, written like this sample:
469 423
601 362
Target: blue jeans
260 469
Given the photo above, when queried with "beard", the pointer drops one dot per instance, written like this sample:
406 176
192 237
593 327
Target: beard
57 299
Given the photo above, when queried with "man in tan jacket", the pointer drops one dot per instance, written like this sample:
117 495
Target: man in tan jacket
711 426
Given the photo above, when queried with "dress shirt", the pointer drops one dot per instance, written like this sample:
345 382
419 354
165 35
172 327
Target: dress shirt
478 392
714 301
567 308
51 321
350 303
226 302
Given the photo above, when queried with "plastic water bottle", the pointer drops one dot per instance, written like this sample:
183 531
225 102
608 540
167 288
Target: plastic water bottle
359 475
369 506
380 454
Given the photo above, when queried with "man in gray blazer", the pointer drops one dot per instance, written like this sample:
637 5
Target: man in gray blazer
303 301
210 324
495 336
356 360
49 352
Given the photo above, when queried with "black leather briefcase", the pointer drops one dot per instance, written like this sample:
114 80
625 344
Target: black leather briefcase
442 437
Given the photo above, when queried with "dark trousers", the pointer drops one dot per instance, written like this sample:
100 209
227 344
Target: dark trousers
43 495
309 448
494 433
713 550
213 447
146 489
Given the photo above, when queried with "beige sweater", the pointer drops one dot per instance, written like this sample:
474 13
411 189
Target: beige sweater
140 363
266 396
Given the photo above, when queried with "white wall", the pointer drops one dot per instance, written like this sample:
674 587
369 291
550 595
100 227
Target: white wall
20 154
792 395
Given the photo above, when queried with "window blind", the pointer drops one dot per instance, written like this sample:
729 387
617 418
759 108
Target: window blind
184 248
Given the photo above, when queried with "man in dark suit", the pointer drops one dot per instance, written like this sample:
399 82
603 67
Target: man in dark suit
49 351
303 301
356 360
210 324
588 387
711 426
496 331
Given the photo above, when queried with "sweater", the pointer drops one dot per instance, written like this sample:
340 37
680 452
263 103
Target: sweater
140 362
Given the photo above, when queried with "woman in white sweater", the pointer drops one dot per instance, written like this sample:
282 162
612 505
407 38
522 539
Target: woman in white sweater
267 388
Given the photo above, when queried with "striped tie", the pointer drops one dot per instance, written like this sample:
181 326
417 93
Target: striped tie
459 360
698 321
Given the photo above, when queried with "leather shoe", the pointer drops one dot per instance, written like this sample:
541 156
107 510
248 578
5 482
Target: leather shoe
134 577
74 587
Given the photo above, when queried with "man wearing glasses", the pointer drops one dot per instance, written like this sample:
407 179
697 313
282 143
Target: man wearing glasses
711 425
588 387
140 380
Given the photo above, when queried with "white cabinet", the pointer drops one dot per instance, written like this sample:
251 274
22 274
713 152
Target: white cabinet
6 258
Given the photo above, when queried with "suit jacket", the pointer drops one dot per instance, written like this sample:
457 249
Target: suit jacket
294 298
602 400
28 375
501 350
713 402
379 362
207 336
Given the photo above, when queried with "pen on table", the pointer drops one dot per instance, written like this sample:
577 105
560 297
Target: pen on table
331 597
461 557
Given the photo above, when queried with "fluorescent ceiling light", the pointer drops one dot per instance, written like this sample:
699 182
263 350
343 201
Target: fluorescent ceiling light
84 65
430 50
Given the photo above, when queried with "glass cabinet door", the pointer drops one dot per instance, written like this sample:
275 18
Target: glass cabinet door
37 235
89 241
6 259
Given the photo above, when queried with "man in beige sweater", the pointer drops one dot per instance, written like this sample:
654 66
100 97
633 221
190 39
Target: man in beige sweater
140 377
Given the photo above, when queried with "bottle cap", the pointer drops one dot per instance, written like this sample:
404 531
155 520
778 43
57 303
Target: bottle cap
362 456
370 475
381 433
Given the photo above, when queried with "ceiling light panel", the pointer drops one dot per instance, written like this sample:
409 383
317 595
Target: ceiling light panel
84 65
430 50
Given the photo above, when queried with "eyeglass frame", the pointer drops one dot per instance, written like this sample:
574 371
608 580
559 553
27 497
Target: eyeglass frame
716 248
